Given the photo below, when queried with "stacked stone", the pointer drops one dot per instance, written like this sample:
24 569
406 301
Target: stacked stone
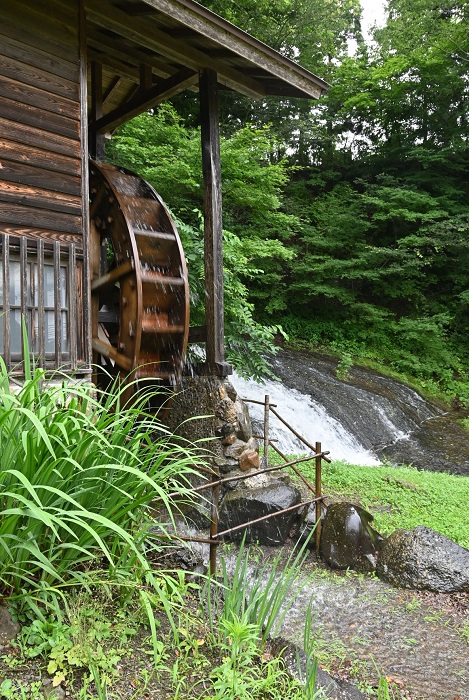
225 430
233 427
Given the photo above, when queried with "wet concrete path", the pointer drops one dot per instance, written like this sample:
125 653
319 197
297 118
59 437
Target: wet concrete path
361 624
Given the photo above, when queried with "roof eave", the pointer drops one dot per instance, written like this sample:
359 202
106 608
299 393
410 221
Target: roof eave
228 36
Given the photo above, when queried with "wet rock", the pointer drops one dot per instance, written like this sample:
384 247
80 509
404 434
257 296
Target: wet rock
283 476
224 429
237 448
257 479
229 439
242 505
423 559
52 692
225 464
8 627
244 420
246 454
229 390
347 538
225 411
296 662
249 460
308 525
198 518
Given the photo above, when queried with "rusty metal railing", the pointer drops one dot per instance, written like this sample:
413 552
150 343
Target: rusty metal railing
215 537
318 457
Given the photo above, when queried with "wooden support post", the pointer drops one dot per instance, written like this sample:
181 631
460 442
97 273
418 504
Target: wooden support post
213 227
318 494
146 77
84 291
97 141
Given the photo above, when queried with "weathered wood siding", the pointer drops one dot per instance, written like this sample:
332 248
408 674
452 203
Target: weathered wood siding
41 155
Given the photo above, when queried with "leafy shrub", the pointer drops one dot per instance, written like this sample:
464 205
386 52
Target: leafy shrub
77 476
247 340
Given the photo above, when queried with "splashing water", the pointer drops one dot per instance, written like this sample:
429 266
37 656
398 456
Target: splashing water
309 418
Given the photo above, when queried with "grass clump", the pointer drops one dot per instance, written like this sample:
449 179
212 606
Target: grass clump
78 475
241 610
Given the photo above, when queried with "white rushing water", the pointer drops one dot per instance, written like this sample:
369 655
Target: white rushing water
306 416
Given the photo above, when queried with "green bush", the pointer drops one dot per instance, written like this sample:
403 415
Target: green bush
78 474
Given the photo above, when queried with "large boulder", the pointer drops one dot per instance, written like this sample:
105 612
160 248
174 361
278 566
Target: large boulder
423 559
308 525
347 538
245 504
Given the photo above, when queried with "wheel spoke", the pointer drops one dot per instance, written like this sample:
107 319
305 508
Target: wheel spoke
112 277
110 352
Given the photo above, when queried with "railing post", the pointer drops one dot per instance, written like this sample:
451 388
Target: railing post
266 430
318 489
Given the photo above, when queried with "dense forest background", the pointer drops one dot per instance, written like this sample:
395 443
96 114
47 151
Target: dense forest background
346 219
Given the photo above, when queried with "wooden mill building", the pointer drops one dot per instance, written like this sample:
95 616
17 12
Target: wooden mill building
90 256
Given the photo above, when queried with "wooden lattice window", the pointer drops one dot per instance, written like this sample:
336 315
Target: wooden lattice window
39 282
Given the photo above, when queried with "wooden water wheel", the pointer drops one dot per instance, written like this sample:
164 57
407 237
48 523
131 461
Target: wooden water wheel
139 287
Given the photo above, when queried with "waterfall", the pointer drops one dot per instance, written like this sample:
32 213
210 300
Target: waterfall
361 420
308 417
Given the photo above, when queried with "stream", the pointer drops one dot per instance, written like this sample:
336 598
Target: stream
364 420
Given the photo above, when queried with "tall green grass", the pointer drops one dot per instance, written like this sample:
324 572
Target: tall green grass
244 608
262 598
78 474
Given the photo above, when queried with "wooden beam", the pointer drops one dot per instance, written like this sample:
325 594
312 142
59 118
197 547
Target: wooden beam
136 9
113 65
113 87
226 35
146 78
213 225
142 101
197 334
117 50
145 33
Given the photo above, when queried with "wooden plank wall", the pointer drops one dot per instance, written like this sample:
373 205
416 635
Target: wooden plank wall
40 126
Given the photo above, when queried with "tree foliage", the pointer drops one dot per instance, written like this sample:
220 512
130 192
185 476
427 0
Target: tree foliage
167 154
347 219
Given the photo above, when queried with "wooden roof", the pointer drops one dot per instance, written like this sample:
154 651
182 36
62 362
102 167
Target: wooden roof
153 49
